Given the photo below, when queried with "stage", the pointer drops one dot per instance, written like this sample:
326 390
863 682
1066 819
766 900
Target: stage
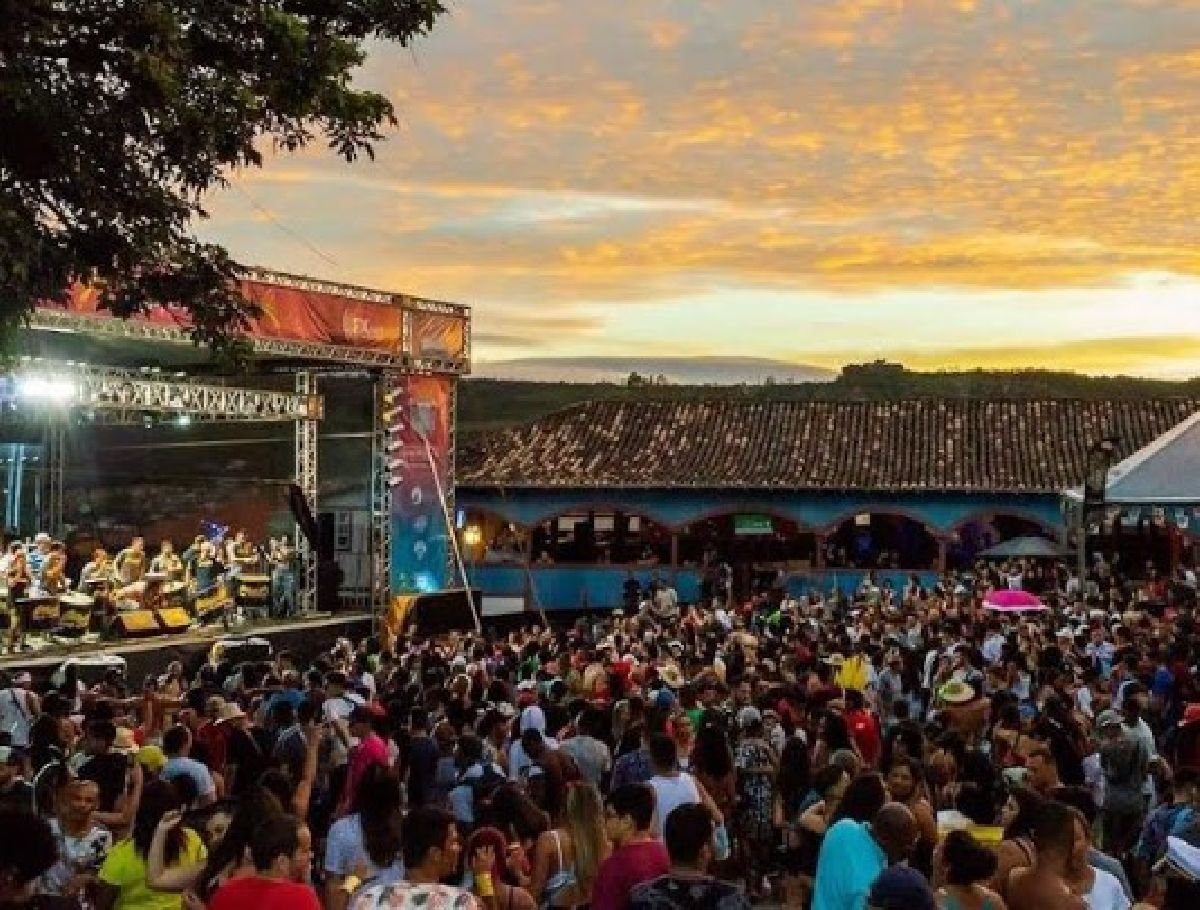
304 637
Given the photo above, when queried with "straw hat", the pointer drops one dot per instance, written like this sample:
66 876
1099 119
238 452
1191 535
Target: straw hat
230 710
956 692
125 742
671 676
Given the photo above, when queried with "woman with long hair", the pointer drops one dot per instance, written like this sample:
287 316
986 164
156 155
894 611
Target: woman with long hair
565 859
226 857
123 879
712 766
833 735
367 839
507 873
906 784
862 800
1016 850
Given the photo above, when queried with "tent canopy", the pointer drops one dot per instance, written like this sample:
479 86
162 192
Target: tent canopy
1166 472
1025 548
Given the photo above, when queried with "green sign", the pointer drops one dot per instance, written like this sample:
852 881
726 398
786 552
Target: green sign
753 524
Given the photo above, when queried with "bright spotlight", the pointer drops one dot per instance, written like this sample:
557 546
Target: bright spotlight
46 389
183 420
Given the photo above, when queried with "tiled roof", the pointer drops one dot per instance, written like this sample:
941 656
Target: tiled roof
950 445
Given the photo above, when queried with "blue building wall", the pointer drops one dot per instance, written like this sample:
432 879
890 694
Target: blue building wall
571 587
940 512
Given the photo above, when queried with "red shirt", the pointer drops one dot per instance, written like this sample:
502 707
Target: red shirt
865 731
215 739
254 893
629 865
371 750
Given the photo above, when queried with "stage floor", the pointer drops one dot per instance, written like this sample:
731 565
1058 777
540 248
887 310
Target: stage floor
305 637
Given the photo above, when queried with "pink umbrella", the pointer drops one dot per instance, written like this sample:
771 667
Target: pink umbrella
1012 602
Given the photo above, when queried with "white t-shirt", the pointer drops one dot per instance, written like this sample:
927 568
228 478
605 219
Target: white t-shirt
669 794
15 715
1106 893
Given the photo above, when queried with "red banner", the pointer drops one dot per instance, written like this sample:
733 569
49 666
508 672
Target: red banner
287 314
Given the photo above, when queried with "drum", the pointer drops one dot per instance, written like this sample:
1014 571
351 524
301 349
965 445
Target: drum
76 613
212 603
43 611
174 594
254 591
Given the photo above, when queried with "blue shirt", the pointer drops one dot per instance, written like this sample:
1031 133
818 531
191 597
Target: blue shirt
847 866
181 766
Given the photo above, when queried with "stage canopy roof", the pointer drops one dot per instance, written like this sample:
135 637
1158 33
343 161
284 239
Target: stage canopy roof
1165 472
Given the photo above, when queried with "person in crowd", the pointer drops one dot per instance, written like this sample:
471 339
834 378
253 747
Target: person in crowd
28 850
1125 763
281 849
177 747
15 792
122 880
365 845
83 844
967 868
854 854
638 855
567 857
1100 890
1045 883
432 848
688 831
508 870
1018 816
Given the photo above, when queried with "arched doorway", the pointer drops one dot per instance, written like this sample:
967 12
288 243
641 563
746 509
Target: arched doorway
760 549
490 538
973 536
881 540
600 535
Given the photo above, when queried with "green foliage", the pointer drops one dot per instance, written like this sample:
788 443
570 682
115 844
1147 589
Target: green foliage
489 404
117 116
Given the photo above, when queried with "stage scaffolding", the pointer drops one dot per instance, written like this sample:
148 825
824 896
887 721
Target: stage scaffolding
116 395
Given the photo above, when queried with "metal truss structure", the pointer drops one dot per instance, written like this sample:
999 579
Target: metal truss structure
453 557
52 478
305 351
381 496
121 395
306 479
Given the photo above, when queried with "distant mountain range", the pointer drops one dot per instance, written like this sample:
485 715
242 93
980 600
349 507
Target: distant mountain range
676 370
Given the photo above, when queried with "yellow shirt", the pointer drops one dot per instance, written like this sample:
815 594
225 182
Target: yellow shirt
125 869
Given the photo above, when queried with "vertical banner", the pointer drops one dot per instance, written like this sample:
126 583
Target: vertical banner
420 538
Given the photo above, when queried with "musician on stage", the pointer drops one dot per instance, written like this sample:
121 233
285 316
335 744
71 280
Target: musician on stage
283 577
37 557
130 564
19 579
167 562
240 555
208 569
100 569
54 570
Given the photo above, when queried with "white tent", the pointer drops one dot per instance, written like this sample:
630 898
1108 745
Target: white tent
1164 473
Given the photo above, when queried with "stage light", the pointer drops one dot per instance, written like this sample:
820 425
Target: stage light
472 536
393 445
47 389
183 420
392 413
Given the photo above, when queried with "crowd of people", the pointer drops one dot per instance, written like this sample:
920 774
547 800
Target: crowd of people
892 749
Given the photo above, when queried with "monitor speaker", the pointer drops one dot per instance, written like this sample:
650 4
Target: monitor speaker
174 619
136 624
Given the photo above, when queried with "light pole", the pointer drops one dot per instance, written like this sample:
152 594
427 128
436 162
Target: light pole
1100 456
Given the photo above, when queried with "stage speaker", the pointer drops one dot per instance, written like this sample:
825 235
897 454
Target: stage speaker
326 534
173 619
441 612
136 624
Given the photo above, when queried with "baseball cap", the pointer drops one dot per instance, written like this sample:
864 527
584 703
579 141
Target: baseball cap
1109 718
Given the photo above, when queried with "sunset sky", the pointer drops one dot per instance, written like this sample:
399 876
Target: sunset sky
946 183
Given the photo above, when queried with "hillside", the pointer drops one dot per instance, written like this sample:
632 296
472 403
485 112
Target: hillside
485 404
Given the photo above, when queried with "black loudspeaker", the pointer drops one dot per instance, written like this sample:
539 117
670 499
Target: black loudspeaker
443 611
329 573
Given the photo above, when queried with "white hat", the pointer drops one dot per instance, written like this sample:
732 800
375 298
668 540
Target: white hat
748 716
